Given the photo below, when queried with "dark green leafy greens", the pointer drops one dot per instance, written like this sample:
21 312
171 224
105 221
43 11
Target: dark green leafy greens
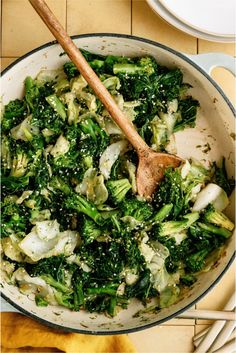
97 242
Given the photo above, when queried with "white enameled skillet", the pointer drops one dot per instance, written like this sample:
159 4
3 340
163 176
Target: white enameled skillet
215 125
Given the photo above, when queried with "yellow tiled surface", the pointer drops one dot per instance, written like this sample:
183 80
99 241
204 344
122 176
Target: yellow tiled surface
6 61
165 339
205 46
22 31
93 16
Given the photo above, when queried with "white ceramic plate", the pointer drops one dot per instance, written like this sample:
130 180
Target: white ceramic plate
204 24
215 17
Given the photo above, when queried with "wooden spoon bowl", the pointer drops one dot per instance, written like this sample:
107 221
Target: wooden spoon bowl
151 170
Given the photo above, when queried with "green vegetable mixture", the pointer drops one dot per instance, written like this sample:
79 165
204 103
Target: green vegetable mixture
74 231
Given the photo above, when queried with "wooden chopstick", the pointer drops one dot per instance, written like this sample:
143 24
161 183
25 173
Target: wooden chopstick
227 348
208 314
197 341
223 336
200 334
215 329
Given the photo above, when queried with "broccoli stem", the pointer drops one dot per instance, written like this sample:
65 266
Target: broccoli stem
163 213
40 301
112 307
57 105
125 68
78 296
52 282
63 299
19 165
219 219
81 205
31 91
59 184
102 290
96 64
171 227
196 261
215 230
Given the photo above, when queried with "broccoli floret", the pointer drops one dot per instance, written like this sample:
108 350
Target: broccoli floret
215 229
89 231
117 189
111 60
145 65
57 105
37 142
40 301
15 223
87 153
81 205
172 227
64 299
31 92
68 160
211 215
19 163
70 70
139 209
14 113
58 285
56 183
196 261
13 217
38 215
97 65
162 213
95 134
96 61
148 64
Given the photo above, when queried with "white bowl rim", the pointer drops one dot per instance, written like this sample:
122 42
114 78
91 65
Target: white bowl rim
178 312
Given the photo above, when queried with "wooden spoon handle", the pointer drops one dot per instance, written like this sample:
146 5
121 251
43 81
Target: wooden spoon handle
90 76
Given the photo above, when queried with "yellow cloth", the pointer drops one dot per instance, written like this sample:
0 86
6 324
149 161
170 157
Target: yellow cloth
22 334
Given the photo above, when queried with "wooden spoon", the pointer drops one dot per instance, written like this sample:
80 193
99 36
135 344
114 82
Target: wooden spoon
152 164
